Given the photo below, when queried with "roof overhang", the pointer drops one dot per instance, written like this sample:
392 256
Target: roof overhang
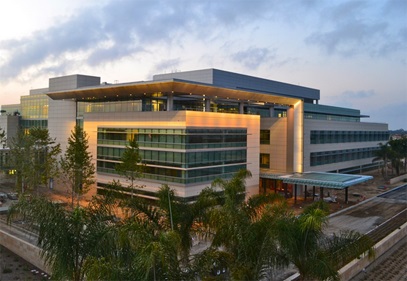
321 179
178 88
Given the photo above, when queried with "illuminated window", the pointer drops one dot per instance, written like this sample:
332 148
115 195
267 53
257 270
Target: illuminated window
264 160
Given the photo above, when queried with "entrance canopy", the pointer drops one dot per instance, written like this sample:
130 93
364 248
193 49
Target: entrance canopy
321 179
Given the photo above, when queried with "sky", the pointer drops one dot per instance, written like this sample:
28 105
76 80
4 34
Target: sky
354 52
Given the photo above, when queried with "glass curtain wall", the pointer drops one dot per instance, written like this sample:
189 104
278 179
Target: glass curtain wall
191 155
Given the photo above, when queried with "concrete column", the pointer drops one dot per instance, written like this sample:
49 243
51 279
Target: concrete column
295 137
170 101
313 193
271 111
295 193
305 195
207 105
241 107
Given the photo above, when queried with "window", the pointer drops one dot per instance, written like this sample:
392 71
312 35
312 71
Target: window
264 136
264 160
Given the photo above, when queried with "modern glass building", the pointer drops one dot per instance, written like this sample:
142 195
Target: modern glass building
195 126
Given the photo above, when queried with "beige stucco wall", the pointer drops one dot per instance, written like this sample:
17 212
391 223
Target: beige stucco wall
179 119
278 142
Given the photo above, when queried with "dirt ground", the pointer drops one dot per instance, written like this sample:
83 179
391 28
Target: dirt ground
13 267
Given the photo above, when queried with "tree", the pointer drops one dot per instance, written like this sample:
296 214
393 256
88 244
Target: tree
243 239
155 240
147 247
3 138
34 157
77 164
185 217
395 151
131 163
403 147
315 255
383 155
4 159
68 238
46 152
398 153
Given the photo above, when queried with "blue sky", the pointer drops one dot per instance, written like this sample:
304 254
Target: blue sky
355 52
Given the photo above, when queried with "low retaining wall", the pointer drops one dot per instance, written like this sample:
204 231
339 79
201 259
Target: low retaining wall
398 179
24 249
357 265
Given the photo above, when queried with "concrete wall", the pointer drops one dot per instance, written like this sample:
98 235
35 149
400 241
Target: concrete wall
61 120
398 179
24 249
357 265
10 124
72 82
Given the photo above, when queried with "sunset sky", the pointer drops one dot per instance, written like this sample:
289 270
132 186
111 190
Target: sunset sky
355 52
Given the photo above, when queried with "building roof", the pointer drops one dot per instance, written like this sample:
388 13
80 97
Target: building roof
179 88
232 80
321 179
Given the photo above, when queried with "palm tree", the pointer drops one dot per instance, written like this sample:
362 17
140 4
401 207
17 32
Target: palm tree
383 155
185 218
68 238
315 255
398 152
243 236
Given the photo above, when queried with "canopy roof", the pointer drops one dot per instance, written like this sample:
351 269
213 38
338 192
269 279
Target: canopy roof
321 179
178 88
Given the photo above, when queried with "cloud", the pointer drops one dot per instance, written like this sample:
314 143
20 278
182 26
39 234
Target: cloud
124 28
357 28
252 57
165 66
358 94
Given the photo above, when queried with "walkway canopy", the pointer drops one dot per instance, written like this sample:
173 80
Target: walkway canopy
321 179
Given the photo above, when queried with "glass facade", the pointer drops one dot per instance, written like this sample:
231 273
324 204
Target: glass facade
328 117
27 124
158 102
190 155
34 106
112 106
336 156
34 111
321 137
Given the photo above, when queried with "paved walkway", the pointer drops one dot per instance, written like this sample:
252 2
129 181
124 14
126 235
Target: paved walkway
369 214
